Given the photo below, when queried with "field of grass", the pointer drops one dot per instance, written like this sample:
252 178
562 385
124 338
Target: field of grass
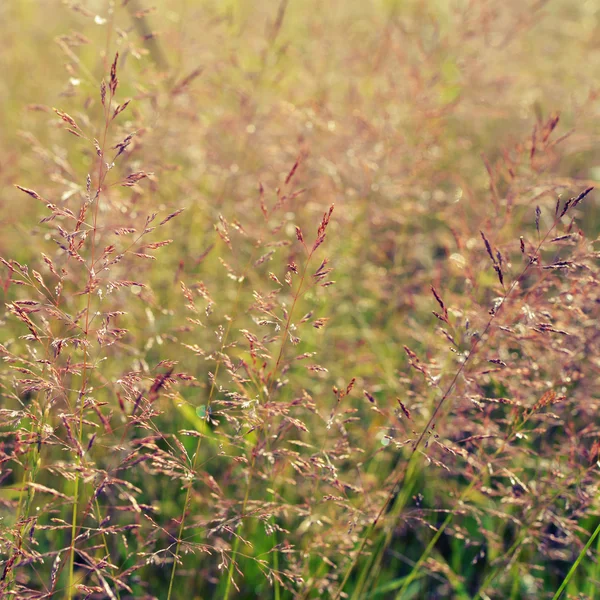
299 299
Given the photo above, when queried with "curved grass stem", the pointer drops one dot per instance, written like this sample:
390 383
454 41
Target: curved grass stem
428 429
269 385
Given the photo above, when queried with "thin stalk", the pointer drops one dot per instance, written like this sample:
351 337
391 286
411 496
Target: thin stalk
288 324
375 563
26 476
399 483
236 542
276 564
576 564
270 381
514 591
523 536
104 540
85 369
199 443
592 585
412 575
30 469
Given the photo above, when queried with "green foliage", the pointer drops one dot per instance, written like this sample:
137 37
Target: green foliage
299 302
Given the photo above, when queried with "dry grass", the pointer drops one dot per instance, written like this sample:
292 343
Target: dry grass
215 383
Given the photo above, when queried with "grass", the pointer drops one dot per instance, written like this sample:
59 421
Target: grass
214 384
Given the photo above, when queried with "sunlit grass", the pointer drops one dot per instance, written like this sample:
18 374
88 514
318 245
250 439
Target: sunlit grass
214 386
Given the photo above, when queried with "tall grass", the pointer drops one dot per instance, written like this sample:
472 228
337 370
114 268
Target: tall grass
216 385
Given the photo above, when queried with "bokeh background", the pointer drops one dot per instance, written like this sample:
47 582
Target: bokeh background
424 123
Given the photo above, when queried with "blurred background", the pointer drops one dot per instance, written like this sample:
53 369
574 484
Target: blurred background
424 122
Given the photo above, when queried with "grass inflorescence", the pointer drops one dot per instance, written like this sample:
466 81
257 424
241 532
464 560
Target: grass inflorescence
299 304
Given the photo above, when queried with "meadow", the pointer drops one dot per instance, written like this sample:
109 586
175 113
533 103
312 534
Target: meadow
299 299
